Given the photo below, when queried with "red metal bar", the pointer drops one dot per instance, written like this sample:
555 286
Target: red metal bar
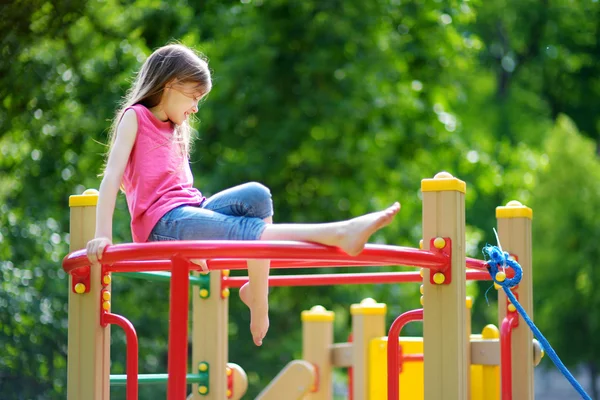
506 355
343 279
394 349
132 352
225 263
178 313
271 250
474 263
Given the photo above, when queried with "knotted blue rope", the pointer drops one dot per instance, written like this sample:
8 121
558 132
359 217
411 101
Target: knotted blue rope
501 259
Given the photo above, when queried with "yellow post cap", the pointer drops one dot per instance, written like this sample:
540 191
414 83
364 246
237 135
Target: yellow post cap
514 209
317 314
443 182
490 332
88 198
368 306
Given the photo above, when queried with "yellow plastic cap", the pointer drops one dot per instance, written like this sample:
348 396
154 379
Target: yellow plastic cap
225 293
439 278
203 293
443 182
106 295
368 307
439 243
317 314
490 332
469 302
106 280
500 276
514 209
80 288
86 199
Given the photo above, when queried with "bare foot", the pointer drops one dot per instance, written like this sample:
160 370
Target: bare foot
359 229
259 315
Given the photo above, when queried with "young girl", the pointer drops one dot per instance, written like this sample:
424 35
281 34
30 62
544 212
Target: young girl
149 159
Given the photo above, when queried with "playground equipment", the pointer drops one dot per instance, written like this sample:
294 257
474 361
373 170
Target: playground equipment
458 366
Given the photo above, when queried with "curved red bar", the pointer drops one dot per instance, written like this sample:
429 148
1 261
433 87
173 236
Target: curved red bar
132 352
272 250
506 355
393 350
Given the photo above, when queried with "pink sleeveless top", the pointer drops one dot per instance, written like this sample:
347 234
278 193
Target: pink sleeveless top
157 177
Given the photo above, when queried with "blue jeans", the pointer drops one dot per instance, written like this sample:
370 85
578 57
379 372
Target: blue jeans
233 214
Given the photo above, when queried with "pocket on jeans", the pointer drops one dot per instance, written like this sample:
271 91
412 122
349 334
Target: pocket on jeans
161 238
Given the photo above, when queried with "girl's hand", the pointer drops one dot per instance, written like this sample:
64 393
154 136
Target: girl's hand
202 264
95 248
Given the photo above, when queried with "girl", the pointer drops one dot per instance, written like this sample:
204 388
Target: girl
148 158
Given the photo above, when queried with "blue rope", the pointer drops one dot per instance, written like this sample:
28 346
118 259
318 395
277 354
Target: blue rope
498 258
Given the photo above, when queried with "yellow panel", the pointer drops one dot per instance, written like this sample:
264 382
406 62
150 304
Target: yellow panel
411 378
476 382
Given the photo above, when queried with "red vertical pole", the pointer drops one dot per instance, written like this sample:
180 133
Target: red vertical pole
178 312
506 356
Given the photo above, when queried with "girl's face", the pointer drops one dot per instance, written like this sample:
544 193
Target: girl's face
180 100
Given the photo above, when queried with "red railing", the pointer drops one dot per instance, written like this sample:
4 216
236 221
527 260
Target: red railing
343 279
393 350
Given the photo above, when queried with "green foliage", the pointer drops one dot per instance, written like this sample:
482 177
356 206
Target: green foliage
567 200
340 107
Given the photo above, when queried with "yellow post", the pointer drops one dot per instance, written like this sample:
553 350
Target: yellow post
317 340
514 232
445 315
490 374
88 357
209 337
368 322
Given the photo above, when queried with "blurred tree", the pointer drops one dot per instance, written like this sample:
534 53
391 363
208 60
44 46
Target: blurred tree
566 246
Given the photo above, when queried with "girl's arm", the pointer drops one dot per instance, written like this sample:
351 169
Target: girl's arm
111 182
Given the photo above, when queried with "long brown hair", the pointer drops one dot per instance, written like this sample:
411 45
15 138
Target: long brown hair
170 63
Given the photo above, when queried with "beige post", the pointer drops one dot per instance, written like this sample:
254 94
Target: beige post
317 340
294 382
368 322
209 337
88 358
514 232
444 315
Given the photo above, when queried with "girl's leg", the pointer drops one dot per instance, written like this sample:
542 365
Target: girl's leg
350 235
255 295
251 200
